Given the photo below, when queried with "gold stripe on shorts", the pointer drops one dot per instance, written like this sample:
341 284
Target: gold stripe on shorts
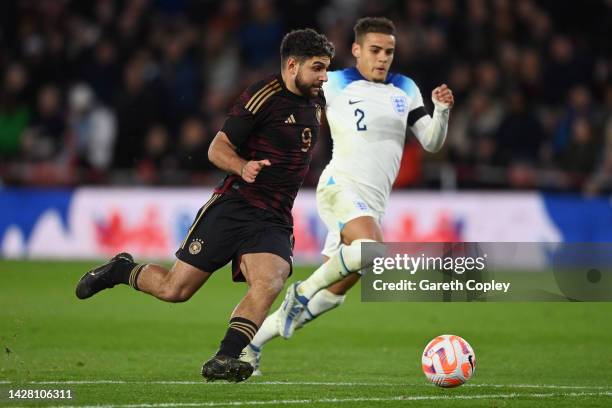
195 224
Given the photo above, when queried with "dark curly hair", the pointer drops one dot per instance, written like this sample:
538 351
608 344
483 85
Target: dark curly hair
304 44
373 25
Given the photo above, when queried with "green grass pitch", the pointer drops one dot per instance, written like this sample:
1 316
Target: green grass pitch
126 349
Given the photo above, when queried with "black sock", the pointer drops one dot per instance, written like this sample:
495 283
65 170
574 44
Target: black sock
122 271
240 333
134 274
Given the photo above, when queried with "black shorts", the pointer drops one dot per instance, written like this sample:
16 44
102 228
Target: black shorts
226 228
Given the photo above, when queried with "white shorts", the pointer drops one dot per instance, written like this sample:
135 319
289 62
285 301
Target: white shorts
338 202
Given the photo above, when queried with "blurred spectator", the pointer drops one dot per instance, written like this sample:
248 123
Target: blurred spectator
564 69
14 112
155 156
179 73
460 81
530 80
530 75
601 180
478 33
431 65
261 36
472 130
222 66
44 138
487 78
579 105
583 151
193 146
519 136
228 17
103 73
140 105
93 127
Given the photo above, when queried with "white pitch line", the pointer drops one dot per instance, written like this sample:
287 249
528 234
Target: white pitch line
161 382
315 383
85 382
344 400
545 386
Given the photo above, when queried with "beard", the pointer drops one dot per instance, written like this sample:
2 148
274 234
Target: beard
305 88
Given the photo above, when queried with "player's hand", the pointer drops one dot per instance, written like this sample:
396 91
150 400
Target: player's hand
251 169
442 97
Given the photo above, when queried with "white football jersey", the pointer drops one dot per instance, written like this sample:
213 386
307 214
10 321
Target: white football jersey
368 123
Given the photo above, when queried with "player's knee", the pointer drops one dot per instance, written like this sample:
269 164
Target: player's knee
351 255
275 283
271 282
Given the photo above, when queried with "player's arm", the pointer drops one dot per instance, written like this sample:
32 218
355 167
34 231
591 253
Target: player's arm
222 153
238 126
431 130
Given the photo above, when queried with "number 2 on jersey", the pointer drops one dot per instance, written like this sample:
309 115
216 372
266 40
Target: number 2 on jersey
360 114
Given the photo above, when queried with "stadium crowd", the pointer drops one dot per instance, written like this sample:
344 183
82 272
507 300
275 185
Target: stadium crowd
132 92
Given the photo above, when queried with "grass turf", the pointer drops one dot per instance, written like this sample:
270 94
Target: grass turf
124 348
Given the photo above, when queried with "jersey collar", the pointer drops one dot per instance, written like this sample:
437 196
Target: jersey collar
353 74
279 77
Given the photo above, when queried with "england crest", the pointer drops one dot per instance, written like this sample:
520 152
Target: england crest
399 104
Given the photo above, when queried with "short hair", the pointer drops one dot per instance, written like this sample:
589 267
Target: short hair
304 44
373 25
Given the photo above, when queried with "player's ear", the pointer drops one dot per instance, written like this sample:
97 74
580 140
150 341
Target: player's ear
292 65
356 50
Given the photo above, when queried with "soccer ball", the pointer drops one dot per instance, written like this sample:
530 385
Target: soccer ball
448 361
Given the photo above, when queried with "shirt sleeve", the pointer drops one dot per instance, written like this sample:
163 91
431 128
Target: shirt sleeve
244 115
430 130
239 122
417 108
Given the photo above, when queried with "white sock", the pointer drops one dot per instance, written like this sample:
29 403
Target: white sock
267 331
346 260
328 273
321 302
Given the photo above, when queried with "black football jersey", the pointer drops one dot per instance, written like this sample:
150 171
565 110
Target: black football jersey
270 122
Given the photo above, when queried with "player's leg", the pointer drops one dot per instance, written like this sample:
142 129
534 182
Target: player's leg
333 296
346 261
339 269
270 327
322 301
175 285
338 203
265 274
359 228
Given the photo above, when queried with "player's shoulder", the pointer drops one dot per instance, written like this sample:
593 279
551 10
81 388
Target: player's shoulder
260 92
268 82
403 82
340 79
